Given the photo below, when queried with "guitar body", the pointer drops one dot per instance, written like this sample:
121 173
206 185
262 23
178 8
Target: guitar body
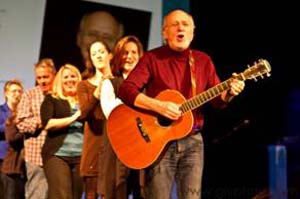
138 137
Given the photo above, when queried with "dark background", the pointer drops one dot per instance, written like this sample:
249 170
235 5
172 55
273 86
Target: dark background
61 23
236 35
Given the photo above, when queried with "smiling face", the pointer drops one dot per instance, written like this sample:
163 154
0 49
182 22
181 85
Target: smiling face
13 93
100 56
69 82
130 57
178 30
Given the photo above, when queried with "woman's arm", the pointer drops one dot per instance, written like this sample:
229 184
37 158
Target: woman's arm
54 124
108 100
87 102
55 113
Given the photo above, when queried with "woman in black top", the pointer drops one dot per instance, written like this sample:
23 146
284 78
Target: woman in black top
62 149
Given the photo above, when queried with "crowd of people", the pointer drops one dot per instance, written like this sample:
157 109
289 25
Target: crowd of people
54 141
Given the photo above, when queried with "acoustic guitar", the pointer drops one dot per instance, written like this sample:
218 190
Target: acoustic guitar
139 136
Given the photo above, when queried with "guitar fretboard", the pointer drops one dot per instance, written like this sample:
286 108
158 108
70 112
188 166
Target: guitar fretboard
204 97
260 68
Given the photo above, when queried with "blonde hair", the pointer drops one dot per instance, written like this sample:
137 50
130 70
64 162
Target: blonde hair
57 90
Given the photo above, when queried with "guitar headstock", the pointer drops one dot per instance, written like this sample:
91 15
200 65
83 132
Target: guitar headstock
258 69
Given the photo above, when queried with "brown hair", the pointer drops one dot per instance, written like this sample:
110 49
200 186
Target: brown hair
5 88
89 67
119 51
12 82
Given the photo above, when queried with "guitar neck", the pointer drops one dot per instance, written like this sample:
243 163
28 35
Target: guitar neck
208 95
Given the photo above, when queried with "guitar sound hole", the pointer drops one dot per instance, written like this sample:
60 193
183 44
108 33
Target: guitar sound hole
163 121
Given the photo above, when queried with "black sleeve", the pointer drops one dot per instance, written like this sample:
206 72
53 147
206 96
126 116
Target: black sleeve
47 110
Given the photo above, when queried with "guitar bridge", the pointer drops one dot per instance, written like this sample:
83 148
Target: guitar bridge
142 130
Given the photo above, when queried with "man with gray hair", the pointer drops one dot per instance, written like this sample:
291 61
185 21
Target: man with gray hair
29 123
187 72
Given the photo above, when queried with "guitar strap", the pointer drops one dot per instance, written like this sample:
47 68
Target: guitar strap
193 71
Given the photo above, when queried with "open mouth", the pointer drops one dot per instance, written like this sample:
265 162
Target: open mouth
180 37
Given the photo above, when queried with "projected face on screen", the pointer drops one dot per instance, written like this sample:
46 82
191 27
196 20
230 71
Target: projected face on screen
66 37
98 25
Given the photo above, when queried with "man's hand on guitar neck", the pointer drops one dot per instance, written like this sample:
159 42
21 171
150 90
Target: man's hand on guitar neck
167 109
236 86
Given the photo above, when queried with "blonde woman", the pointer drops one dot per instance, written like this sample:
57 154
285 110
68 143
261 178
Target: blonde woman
62 149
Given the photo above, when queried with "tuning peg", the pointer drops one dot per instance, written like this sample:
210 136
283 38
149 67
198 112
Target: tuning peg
261 75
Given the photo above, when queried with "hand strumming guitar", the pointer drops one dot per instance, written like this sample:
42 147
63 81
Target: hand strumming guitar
167 109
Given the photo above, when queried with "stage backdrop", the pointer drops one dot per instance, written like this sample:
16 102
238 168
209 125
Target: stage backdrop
21 28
